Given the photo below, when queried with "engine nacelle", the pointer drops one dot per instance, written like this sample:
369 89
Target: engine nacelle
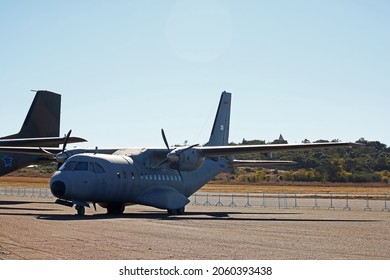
186 160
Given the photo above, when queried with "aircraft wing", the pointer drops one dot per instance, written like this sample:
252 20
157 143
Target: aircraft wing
214 151
38 142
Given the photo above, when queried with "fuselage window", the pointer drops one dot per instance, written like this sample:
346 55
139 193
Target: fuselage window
81 166
155 177
132 176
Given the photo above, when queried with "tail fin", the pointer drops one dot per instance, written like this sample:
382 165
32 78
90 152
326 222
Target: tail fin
220 132
43 118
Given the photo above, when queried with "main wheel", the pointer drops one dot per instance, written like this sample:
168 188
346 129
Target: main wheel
80 210
115 209
179 211
171 212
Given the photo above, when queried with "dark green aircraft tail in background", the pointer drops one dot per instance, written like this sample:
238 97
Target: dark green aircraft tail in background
220 132
43 118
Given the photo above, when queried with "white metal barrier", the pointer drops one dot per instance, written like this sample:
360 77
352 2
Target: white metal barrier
344 202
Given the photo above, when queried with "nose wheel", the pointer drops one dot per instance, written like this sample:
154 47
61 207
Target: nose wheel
80 210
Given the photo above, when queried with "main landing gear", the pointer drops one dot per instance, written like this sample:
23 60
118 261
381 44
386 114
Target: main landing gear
179 211
112 209
115 209
80 210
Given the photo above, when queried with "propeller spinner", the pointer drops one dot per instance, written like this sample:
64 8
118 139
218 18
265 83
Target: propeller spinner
61 156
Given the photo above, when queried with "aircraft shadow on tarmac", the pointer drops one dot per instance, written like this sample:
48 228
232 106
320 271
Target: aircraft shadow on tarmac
14 205
13 202
199 216
155 215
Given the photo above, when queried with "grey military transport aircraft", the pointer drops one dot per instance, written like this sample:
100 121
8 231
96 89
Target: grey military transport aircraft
159 177
41 128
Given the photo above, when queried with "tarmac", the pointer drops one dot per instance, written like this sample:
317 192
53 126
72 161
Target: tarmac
38 229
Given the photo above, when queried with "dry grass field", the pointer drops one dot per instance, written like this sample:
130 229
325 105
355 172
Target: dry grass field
31 182
299 188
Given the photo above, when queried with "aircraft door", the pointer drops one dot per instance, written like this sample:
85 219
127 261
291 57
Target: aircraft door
132 180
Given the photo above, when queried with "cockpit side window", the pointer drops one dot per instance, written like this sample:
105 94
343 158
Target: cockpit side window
68 166
81 166
92 167
99 169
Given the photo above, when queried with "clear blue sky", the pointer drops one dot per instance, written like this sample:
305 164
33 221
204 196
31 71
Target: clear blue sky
305 69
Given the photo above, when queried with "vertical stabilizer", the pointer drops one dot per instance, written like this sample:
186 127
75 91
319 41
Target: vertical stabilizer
220 132
43 118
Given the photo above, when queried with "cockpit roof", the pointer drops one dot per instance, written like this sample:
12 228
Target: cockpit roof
91 157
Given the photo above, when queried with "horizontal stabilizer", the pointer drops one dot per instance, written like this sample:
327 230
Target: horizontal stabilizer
39 142
163 197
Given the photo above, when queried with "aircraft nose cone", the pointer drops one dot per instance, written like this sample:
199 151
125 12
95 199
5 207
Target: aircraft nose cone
58 188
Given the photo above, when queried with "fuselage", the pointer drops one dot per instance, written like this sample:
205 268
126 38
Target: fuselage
102 178
10 162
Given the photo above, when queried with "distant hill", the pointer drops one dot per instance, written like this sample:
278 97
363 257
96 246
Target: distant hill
370 163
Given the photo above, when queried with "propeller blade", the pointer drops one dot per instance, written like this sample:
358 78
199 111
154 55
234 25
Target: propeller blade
165 139
66 140
186 149
161 163
58 156
45 151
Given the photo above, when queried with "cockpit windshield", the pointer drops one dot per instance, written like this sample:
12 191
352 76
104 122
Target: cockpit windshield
68 166
81 166
93 167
